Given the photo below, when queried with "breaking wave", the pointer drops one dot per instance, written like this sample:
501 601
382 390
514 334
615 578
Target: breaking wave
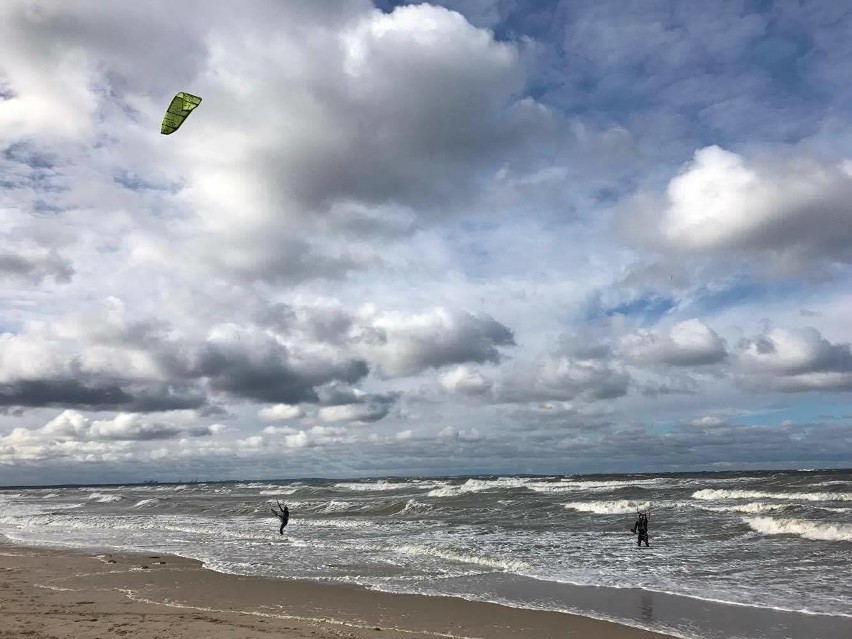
102 498
753 508
711 493
608 507
146 502
478 486
800 527
380 485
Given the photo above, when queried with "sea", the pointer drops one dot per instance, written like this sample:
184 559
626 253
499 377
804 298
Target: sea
733 555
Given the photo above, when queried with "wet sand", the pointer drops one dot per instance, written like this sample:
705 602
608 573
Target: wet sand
61 594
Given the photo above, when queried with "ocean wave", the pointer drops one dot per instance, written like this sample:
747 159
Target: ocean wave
280 491
380 485
578 485
146 502
103 498
414 506
618 507
717 494
503 565
338 506
478 486
616 483
753 508
801 527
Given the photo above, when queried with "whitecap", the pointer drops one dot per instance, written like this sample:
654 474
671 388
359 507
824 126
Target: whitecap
801 527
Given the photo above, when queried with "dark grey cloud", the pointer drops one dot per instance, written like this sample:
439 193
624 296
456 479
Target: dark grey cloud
266 371
95 394
35 268
404 345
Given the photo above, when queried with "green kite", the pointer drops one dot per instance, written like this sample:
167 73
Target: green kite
181 106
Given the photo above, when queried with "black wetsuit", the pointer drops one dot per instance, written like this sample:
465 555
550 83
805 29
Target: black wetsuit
284 516
641 527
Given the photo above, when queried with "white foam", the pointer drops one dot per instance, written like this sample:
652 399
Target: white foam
146 502
615 483
504 565
380 485
608 507
477 486
752 508
714 494
413 506
102 498
800 527
337 506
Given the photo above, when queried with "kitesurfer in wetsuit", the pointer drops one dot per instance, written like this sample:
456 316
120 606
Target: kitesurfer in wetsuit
284 516
641 528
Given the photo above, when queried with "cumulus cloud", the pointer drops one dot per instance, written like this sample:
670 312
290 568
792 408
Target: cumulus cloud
566 378
406 344
281 412
74 436
795 360
465 381
365 409
687 343
71 425
790 210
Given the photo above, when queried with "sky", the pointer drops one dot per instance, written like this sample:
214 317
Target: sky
483 236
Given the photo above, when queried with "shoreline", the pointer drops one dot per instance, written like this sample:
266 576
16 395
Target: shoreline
48 592
185 587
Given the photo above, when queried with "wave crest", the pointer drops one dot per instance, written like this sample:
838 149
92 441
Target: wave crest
801 527
618 507
716 494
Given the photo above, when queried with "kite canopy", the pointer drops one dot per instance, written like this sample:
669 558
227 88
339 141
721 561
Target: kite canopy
181 106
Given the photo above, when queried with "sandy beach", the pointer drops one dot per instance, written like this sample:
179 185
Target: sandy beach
60 594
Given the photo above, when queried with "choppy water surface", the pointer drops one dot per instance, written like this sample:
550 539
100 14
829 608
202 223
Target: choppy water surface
767 540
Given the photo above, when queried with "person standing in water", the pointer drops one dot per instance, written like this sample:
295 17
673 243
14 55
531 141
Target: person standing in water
641 528
283 515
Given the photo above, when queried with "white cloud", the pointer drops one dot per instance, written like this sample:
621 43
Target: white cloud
363 413
566 378
464 381
795 360
788 209
280 412
460 434
407 344
687 343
